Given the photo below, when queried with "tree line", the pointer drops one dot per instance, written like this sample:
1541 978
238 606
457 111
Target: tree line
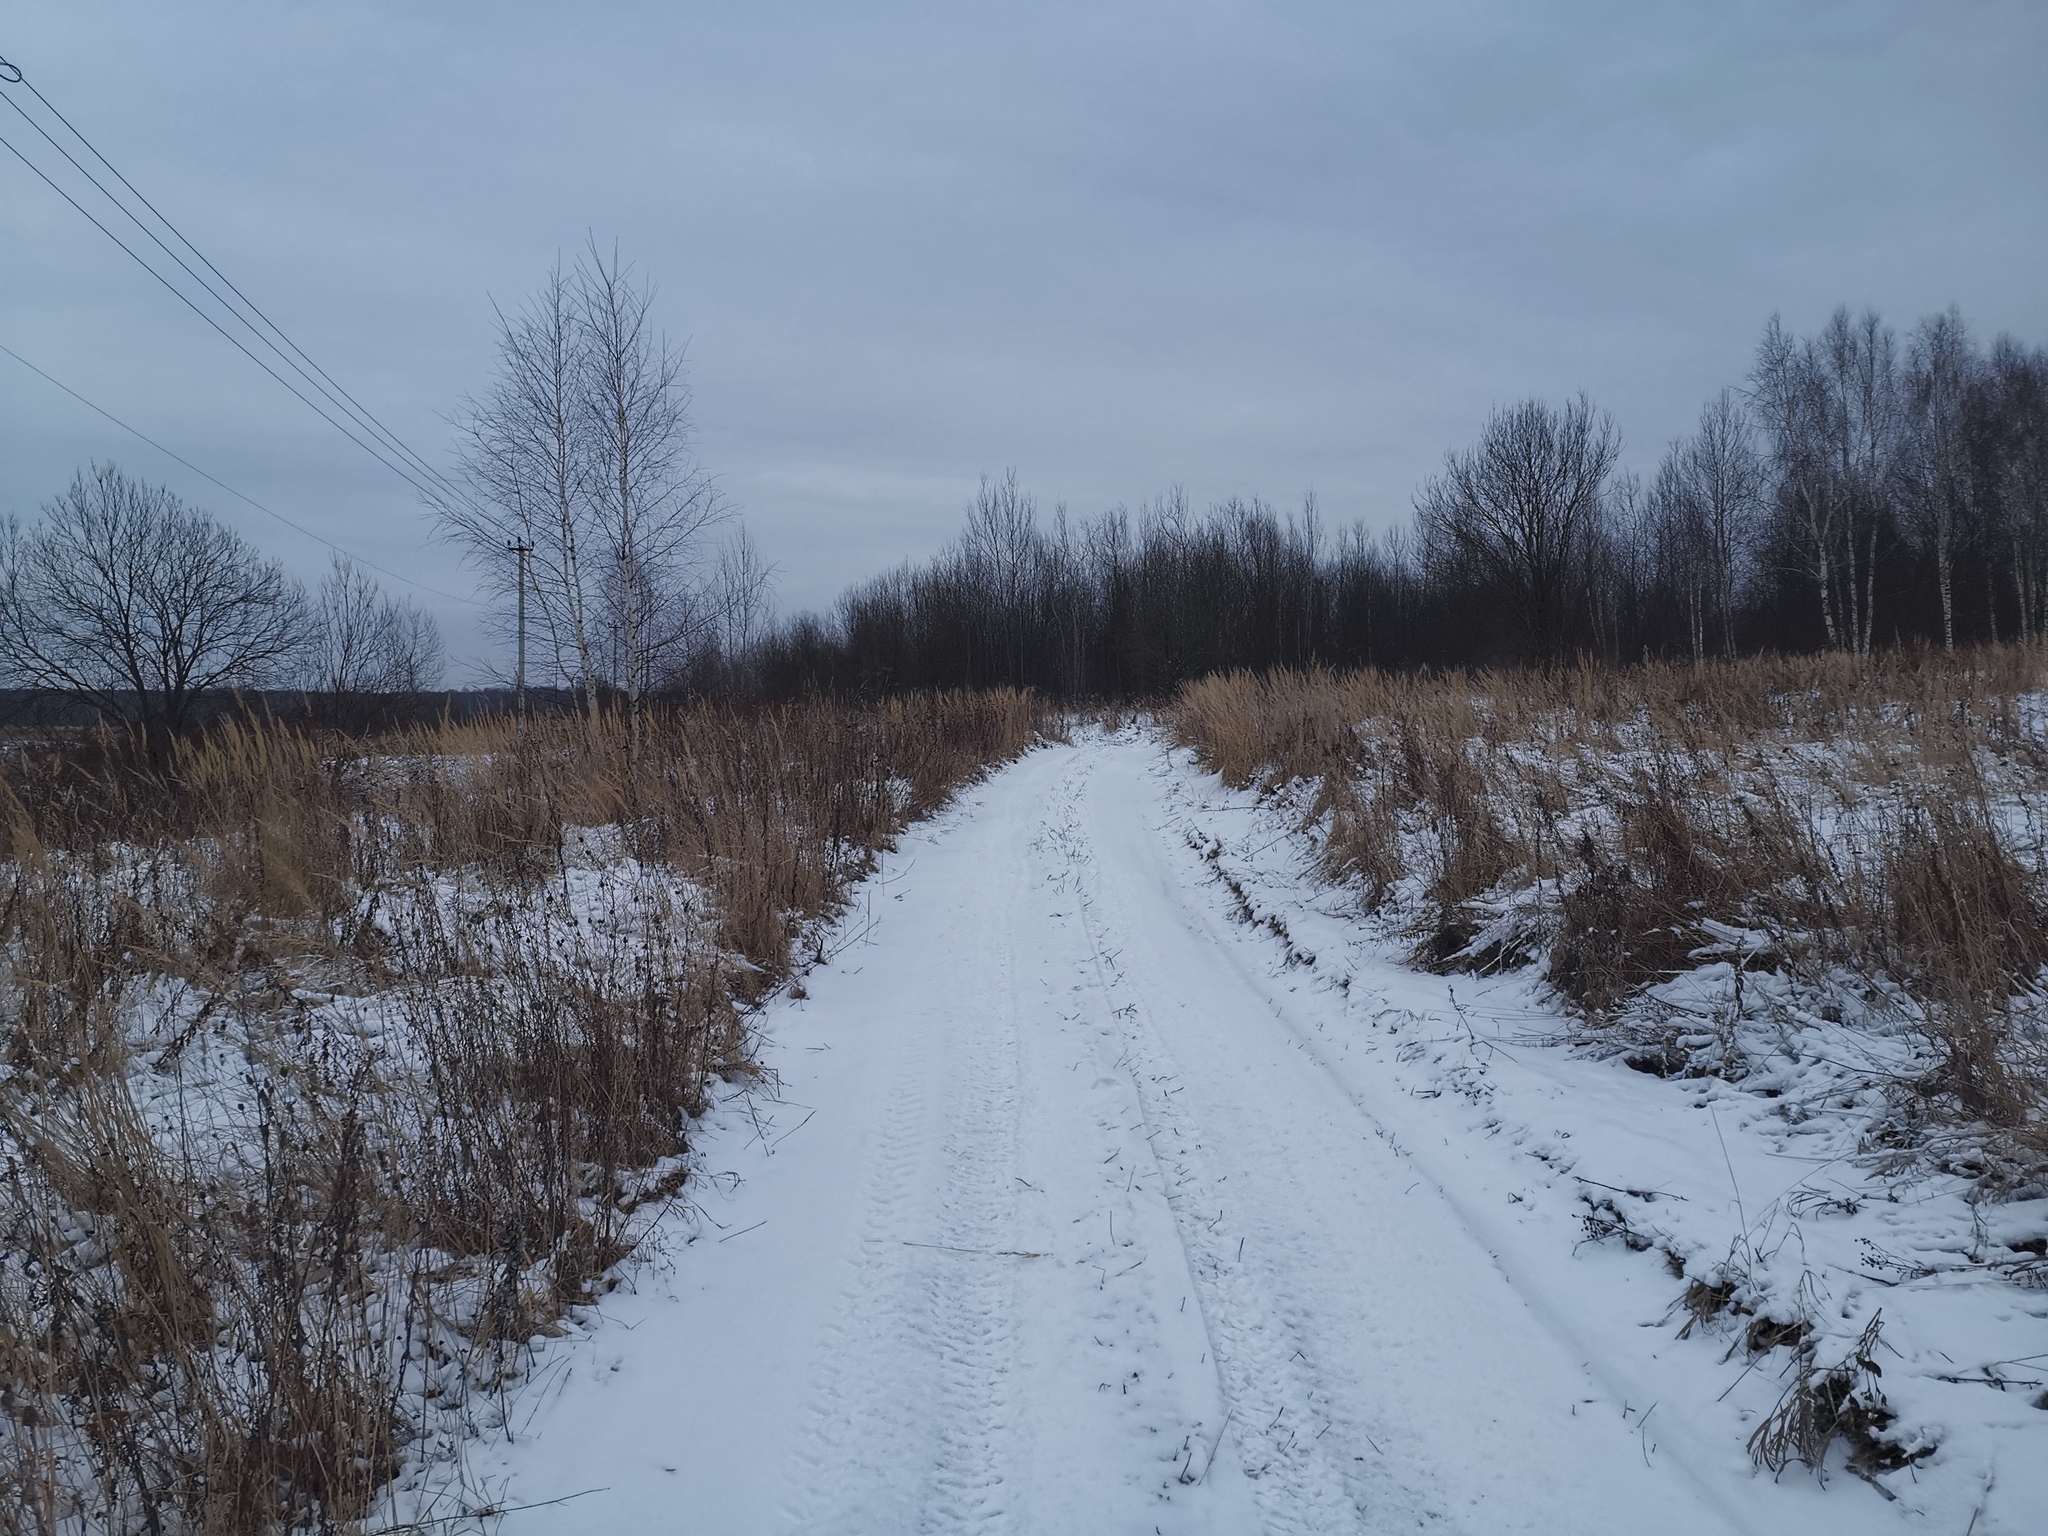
1856 490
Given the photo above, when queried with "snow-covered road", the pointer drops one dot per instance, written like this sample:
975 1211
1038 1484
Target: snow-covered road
1066 1217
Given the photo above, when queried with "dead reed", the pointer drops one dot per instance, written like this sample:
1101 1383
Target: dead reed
333 1072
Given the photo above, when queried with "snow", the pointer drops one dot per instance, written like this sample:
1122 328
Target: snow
1075 1202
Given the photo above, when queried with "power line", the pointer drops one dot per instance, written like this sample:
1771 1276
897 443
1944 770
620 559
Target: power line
238 495
356 415
386 446
325 383
231 340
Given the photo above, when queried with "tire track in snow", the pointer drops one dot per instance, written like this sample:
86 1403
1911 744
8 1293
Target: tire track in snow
1119 1269
970 1284
1317 1049
848 1439
1273 1421
912 1414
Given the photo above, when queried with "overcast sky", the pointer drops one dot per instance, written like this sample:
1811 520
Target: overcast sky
1248 249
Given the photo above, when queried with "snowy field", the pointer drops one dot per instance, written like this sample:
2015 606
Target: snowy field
1112 1176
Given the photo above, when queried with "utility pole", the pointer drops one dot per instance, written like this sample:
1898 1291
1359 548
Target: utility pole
522 549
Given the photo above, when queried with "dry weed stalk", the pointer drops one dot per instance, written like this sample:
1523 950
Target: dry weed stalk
1842 1403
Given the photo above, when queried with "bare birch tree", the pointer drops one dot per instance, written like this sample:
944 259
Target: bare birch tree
581 452
1866 419
525 461
1942 370
651 502
1789 399
1835 410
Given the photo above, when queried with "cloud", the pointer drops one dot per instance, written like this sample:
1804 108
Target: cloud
1248 248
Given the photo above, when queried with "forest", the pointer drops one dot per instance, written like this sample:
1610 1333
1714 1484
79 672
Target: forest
1855 491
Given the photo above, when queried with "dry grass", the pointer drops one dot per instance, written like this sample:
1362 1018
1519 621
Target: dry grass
1842 1403
1877 820
334 1073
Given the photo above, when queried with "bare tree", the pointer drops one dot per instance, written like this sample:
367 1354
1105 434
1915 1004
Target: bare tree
1673 535
526 461
1867 418
2017 410
1789 398
581 452
1521 509
1069 600
1622 561
739 592
735 601
367 643
127 599
1835 409
1704 503
997 553
651 502
1942 370
1726 478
